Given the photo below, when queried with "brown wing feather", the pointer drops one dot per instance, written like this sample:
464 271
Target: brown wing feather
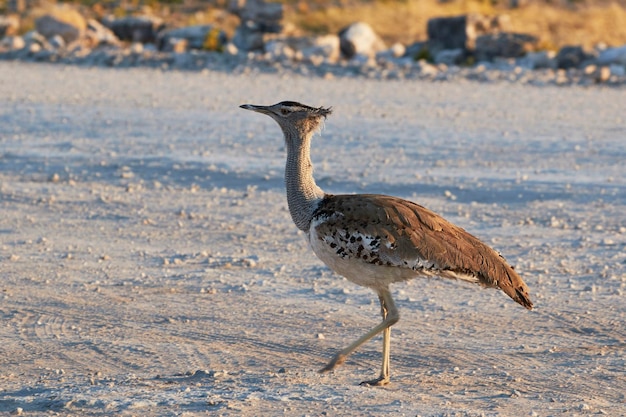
409 231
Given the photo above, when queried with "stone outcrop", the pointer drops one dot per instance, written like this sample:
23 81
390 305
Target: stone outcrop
450 56
571 57
504 45
359 39
479 37
613 56
257 18
97 34
142 29
460 32
448 32
395 51
314 49
63 21
539 60
267 17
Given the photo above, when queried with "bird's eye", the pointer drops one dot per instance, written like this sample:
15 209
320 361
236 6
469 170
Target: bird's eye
284 112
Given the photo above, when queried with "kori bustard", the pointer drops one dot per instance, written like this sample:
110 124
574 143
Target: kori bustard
376 240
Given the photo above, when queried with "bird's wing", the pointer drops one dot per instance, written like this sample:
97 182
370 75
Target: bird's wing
390 231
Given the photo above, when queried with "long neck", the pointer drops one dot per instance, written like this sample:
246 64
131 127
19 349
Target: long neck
303 195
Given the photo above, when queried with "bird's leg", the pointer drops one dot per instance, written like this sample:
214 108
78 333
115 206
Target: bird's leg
390 317
383 379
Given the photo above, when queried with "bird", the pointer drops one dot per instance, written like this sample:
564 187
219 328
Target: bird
377 240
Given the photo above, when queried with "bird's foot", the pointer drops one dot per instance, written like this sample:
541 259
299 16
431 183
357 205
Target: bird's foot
378 382
337 360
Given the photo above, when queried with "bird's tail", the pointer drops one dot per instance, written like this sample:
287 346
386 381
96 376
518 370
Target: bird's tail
515 287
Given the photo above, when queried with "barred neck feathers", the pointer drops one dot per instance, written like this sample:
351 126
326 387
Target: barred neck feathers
303 194
298 123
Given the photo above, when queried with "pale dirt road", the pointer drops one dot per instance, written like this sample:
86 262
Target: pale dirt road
148 265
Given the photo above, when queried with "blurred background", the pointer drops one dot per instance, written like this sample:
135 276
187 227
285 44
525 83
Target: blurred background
556 23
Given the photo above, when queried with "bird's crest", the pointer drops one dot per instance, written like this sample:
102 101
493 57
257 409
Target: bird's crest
294 106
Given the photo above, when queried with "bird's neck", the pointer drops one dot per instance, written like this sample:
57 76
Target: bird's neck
303 194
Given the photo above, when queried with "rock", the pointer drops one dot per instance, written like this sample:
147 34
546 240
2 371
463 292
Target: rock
57 42
310 49
571 57
539 60
360 39
143 29
34 48
598 74
504 45
49 27
97 34
397 50
603 74
149 47
426 69
231 49
257 19
34 37
279 49
267 17
590 69
450 56
326 46
182 60
13 43
448 32
177 45
419 51
9 25
617 70
206 37
611 56
460 32
362 62
248 38
63 21
136 48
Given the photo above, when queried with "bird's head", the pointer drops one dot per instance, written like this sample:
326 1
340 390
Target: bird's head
295 119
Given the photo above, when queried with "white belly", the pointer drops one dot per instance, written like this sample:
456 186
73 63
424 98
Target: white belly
357 270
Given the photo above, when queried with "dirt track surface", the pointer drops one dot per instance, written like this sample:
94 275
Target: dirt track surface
149 266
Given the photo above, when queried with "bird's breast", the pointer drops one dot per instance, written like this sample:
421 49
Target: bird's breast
356 255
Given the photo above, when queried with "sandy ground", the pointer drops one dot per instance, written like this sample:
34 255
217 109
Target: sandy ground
149 266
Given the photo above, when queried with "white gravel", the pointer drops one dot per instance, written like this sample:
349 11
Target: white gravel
149 266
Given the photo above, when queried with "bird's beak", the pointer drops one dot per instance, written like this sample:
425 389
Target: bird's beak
258 109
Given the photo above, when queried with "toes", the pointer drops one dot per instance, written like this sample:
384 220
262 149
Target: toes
378 382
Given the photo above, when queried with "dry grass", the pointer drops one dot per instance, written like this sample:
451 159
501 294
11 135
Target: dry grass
214 16
405 21
587 26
